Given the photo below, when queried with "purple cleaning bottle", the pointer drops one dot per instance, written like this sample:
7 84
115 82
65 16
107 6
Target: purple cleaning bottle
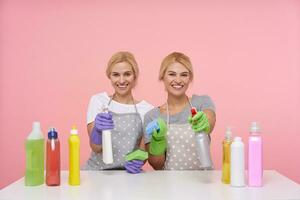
255 157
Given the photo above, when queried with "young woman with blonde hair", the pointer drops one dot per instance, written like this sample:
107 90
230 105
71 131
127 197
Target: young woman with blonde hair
124 117
172 144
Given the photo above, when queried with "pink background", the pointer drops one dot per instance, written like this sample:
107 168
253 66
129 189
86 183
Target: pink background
246 56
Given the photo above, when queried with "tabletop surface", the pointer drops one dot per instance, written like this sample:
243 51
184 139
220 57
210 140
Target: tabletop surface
154 185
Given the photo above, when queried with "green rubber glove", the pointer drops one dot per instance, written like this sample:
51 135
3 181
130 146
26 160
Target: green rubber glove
158 144
199 122
137 155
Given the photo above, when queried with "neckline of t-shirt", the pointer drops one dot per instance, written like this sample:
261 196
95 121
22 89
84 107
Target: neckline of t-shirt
123 104
179 113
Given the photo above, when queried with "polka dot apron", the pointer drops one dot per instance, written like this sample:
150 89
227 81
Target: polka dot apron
181 147
126 136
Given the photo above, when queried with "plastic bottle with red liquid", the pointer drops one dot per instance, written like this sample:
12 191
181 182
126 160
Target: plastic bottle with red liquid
202 147
53 159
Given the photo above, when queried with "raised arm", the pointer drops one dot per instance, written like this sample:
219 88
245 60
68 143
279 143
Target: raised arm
211 116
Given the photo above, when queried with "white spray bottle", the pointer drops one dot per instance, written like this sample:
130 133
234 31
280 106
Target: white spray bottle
202 147
107 152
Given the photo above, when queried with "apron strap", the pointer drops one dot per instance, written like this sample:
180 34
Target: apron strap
168 114
112 97
135 108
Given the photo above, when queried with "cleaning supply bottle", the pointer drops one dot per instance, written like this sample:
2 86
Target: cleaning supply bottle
226 156
202 147
53 159
107 151
237 163
255 157
34 173
74 157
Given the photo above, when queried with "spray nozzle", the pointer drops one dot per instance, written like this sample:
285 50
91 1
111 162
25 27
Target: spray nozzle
193 111
104 108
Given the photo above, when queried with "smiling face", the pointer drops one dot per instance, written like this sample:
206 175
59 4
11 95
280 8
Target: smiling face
176 79
122 78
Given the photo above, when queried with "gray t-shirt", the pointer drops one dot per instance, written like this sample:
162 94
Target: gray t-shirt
202 102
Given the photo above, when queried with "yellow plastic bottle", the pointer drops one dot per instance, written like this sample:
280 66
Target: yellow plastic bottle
74 157
226 156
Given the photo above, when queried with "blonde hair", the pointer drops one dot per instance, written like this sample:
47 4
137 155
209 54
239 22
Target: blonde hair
123 56
173 58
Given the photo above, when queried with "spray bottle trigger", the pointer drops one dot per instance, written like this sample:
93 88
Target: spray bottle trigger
193 111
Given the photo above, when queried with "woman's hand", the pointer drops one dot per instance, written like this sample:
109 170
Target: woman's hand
158 134
135 161
199 123
103 121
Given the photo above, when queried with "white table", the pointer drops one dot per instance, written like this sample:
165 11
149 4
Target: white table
187 185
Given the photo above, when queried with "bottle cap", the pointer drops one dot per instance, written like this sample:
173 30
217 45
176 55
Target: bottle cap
74 130
52 134
36 125
228 133
36 132
254 127
237 139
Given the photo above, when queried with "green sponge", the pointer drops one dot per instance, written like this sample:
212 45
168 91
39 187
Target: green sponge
137 155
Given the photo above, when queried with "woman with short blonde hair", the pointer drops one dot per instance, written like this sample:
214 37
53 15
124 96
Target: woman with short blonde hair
124 118
173 58
122 56
170 128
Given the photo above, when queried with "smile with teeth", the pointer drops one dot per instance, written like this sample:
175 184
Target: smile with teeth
122 86
176 86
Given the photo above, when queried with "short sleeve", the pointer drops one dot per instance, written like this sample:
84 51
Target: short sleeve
94 107
204 102
149 117
91 112
143 108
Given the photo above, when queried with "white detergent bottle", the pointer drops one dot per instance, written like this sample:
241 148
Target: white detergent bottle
107 151
237 163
